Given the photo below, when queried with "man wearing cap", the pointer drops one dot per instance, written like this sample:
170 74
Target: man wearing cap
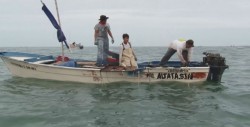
102 29
183 49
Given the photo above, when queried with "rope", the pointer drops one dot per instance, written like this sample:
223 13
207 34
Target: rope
41 1
57 11
59 22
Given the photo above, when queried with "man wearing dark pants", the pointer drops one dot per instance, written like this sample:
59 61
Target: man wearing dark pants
183 49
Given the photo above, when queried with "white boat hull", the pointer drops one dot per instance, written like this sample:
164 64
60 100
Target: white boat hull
20 68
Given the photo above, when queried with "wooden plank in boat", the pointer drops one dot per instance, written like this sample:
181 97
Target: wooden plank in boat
86 63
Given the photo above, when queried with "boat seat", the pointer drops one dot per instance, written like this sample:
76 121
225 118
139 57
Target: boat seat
41 60
44 62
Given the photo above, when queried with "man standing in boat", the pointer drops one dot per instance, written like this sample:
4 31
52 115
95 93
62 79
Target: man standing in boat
183 49
102 29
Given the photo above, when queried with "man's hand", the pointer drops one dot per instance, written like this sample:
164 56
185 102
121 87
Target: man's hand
113 41
184 63
135 58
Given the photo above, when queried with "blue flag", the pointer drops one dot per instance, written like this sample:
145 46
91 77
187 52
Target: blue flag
60 35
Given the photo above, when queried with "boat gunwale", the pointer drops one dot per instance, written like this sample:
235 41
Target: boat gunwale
99 68
53 66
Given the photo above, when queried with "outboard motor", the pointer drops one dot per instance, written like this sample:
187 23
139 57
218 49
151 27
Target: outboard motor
217 65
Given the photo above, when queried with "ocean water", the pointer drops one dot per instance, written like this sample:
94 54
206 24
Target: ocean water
43 103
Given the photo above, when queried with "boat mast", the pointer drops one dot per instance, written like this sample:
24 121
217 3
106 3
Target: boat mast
59 22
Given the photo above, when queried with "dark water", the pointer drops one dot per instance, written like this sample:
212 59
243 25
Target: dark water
41 103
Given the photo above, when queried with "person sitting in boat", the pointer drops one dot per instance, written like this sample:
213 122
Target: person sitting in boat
127 56
183 49
102 30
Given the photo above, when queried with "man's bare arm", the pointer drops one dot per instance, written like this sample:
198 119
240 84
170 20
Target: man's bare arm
110 34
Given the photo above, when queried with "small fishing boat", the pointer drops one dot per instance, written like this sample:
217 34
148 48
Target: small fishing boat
62 68
48 67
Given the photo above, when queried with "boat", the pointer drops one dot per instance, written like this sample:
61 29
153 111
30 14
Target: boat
37 66
62 68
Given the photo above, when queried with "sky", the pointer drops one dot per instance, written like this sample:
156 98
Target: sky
148 22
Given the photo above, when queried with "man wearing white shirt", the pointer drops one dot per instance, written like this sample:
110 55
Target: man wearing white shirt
183 49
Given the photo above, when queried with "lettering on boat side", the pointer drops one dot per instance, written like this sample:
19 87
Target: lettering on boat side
95 76
150 75
177 70
175 76
24 66
97 79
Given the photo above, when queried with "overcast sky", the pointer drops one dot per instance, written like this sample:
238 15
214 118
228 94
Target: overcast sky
149 22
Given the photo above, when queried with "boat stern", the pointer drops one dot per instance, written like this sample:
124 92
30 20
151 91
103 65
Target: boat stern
217 65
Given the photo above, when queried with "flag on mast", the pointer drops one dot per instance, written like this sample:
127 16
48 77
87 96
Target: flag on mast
60 35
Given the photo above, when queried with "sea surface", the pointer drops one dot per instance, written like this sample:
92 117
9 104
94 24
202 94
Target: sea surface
44 103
